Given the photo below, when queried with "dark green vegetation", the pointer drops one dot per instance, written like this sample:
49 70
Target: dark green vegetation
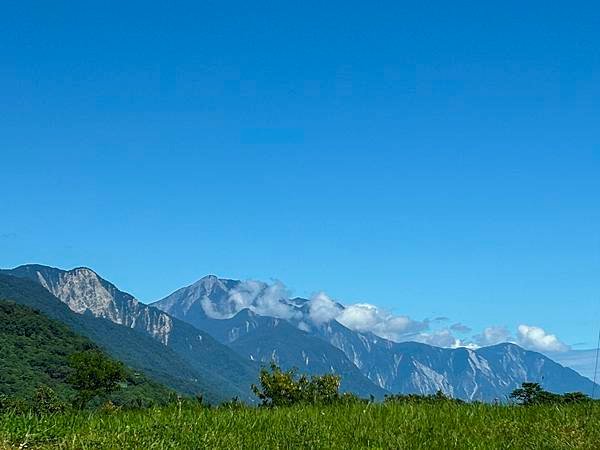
35 351
285 388
40 358
438 397
94 375
533 394
136 349
341 426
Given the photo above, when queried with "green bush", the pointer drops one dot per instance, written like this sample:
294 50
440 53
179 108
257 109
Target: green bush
94 375
575 397
438 397
47 401
286 388
533 394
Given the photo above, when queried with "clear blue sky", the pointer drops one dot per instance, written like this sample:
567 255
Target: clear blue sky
434 159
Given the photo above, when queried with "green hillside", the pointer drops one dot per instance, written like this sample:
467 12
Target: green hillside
35 352
139 351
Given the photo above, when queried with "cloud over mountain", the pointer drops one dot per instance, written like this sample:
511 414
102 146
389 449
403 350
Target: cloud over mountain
367 317
274 300
322 309
492 335
262 298
536 338
530 337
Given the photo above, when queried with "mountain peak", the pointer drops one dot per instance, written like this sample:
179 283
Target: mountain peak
207 281
31 270
83 271
41 272
209 277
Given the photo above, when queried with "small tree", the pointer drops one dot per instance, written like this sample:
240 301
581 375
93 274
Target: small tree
46 401
285 388
278 388
533 394
94 374
323 389
575 397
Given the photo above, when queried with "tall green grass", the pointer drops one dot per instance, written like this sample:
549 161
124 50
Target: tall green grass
349 426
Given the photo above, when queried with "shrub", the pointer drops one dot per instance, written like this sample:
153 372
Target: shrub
109 408
575 397
94 375
46 401
285 388
322 389
533 394
438 397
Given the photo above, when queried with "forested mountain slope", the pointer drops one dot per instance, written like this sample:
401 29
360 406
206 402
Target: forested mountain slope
35 351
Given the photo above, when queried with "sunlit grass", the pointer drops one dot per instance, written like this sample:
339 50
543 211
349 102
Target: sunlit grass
338 427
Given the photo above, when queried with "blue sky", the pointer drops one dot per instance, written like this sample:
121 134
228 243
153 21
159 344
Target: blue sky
435 159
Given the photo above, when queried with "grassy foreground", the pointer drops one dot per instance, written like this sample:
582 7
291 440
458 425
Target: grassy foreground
340 427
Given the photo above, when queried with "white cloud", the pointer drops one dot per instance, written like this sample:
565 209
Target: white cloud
363 317
492 335
440 338
366 317
261 298
211 311
322 309
535 338
271 302
528 337
242 297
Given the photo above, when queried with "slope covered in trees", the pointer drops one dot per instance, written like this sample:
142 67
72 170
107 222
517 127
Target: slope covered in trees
36 352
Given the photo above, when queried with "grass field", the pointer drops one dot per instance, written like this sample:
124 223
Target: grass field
338 427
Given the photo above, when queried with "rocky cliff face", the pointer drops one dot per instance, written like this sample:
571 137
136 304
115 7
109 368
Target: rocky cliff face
84 291
484 374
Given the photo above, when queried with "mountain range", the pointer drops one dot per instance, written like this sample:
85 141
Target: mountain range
214 335
408 367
